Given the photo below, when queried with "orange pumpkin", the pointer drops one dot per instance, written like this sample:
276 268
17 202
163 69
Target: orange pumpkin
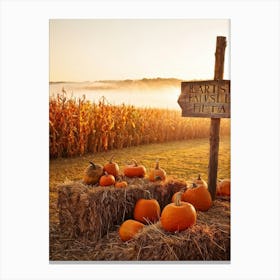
199 181
134 170
157 173
129 228
112 167
223 187
146 210
107 180
178 216
121 184
199 197
92 174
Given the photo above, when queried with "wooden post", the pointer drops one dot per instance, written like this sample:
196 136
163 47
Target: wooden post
194 103
215 122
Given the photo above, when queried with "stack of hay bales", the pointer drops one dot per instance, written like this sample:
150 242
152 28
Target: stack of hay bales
90 218
92 212
207 240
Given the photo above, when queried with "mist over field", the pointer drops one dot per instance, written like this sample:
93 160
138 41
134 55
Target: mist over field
156 93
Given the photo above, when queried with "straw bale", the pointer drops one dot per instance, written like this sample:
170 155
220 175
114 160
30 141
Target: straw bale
92 212
207 240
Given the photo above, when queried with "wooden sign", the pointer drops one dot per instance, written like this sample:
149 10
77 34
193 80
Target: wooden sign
209 99
205 99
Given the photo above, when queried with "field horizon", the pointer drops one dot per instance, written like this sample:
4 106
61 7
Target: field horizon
144 79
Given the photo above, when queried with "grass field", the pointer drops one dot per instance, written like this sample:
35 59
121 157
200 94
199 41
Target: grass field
181 159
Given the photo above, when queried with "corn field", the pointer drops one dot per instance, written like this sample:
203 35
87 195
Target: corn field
78 126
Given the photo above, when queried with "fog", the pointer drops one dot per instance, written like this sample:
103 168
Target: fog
155 93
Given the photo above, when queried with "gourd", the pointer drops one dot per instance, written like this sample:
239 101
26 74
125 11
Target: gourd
129 228
112 167
134 170
121 184
223 187
92 173
178 216
107 180
157 173
198 196
199 181
146 210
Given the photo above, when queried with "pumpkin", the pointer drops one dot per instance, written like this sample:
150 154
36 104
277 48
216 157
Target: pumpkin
121 184
134 170
223 187
200 181
157 173
92 173
178 216
129 228
146 210
112 168
199 197
107 180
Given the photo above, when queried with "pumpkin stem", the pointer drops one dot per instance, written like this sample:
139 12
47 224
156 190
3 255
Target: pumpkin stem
178 198
157 178
111 159
106 173
149 194
157 164
198 178
135 162
93 165
194 185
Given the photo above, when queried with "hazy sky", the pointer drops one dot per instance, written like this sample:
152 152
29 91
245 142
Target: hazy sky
104 49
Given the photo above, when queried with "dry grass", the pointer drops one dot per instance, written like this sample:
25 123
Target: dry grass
208 240
92 212
181 159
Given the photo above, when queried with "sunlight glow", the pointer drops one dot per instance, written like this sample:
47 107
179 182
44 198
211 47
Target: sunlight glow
104 49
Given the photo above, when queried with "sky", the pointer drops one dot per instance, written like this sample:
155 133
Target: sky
118 49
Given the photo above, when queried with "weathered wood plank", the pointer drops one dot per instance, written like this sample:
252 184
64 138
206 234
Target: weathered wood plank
215 122
205 99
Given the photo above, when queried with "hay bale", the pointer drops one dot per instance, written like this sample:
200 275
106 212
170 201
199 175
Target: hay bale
208 240
91 212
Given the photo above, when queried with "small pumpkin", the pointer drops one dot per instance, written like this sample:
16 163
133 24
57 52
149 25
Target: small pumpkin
107 180
198 196
178 216
121 184
92 173
157 173
146 210
134 170
112 167
129 228
223 187
199 181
